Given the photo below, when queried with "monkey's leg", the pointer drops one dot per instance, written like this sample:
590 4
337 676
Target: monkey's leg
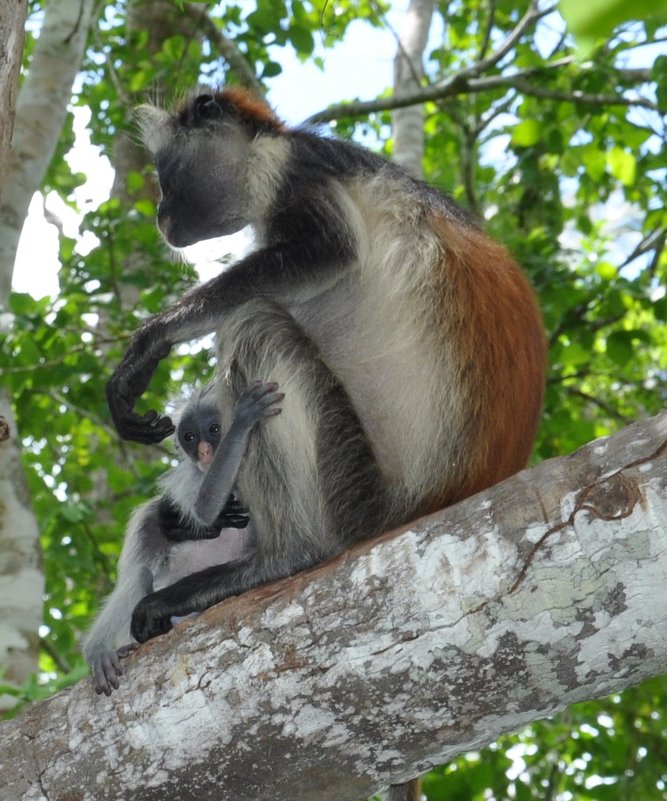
309 477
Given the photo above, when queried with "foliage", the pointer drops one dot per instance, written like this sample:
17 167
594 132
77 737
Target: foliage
576 189
596 19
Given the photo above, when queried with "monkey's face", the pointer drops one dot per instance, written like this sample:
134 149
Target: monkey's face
201 160
199 435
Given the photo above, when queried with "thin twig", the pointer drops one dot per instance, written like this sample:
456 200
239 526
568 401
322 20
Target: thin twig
58 658
489 27
607 408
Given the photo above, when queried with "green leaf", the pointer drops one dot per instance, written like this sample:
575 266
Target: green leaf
302 39
622 165
527 133
619 347
606 270
590 20
594 160
271 69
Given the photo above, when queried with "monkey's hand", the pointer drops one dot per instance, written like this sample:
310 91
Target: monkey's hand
177 529
106 668
152 616
257 401
234 515
130 381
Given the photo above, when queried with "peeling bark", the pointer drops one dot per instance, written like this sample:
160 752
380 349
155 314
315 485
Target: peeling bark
394 657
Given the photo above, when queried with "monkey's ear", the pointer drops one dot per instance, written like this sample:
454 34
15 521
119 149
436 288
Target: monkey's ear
205 107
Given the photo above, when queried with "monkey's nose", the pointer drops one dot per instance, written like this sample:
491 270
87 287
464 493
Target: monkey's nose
205 453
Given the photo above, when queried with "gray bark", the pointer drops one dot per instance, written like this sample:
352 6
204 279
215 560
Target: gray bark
12 19
40 114
19 554
408 123
545 590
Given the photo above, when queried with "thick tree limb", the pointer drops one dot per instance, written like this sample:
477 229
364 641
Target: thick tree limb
543 591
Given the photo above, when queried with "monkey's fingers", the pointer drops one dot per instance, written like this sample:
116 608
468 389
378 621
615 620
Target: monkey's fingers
105 673
129 382
126 650
259 388
147 429
232 520
263 395
266 403
233 515
236 521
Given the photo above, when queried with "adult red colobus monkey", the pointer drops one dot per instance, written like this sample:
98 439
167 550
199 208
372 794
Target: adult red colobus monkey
408 343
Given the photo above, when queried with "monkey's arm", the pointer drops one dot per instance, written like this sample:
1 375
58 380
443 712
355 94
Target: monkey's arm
254 404
142 559
99 646
314 245
176 528
215 506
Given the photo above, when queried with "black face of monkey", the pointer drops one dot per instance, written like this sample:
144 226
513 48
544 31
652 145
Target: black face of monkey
200 157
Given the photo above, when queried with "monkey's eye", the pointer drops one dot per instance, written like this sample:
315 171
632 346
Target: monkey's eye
189 436
206 108
215 428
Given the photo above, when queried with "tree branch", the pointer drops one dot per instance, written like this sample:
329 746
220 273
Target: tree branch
226 47
461 84
577 96
396 656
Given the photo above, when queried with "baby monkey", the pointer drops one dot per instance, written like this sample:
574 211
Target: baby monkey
193 524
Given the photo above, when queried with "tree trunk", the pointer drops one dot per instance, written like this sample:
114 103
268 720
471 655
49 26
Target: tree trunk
19 554
396 656
12 19
408 123
40 114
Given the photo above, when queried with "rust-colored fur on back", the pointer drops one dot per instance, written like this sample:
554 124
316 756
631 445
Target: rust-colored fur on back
493 316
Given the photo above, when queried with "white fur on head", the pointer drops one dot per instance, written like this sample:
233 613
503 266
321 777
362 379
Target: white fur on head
154 127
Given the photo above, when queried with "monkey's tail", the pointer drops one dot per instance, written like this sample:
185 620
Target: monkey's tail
410 791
